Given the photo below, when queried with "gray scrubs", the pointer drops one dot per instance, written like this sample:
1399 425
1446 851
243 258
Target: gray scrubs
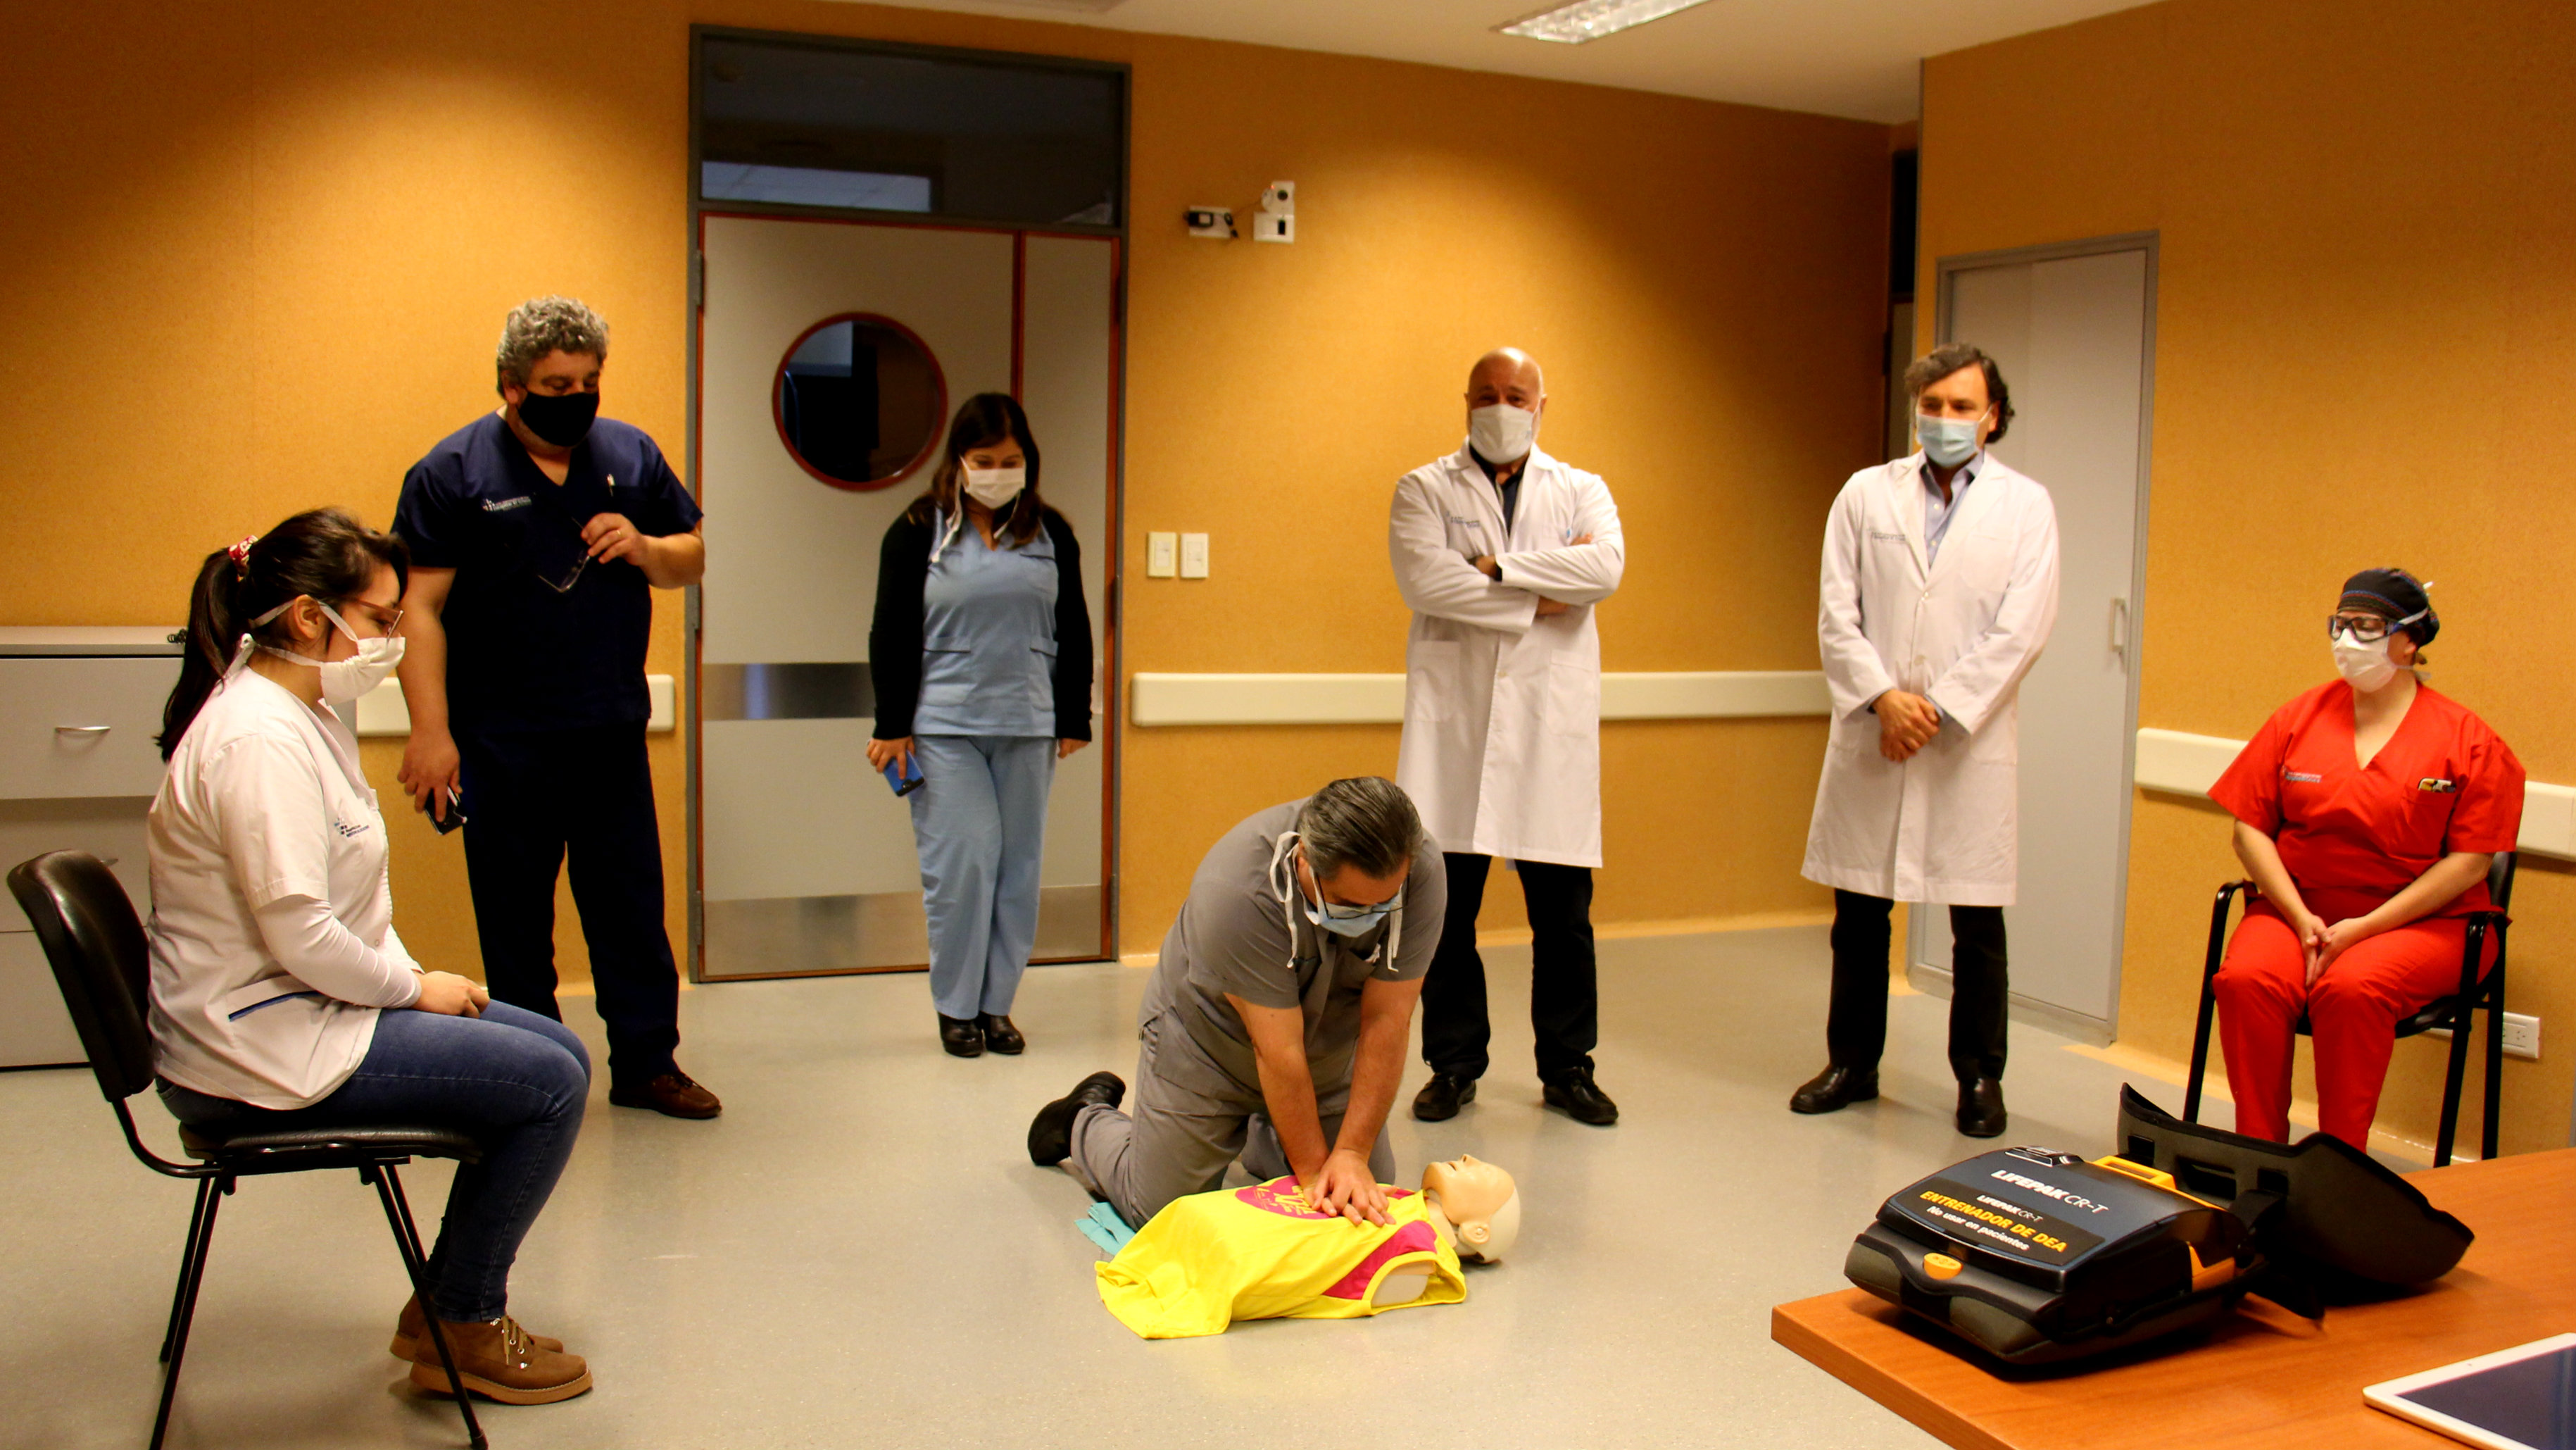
1196 1105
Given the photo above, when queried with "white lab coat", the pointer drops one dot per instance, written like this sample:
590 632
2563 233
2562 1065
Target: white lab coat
1502 709
1963 631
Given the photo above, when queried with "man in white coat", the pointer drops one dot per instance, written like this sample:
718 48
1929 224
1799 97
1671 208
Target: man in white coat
1938 590
1502 551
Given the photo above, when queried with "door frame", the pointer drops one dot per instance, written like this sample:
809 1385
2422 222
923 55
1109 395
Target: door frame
1107 727
1921 923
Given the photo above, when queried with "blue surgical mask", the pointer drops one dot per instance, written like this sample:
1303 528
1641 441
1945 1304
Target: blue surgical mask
1339 919
1353 921
1949 442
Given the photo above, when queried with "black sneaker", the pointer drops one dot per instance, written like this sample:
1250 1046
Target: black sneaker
1051 1131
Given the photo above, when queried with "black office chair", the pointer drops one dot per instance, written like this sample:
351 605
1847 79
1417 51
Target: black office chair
100 960
2456 1012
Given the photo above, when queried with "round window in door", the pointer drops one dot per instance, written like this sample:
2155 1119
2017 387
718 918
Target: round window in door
859 401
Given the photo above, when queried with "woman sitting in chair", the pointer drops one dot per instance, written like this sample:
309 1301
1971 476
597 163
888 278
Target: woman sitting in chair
281 995
2367 812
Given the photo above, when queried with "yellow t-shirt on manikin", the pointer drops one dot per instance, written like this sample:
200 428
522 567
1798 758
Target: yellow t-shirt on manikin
1261 1253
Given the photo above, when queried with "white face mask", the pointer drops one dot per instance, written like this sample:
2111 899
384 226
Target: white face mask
994 487
344 680
1501 433
2363 663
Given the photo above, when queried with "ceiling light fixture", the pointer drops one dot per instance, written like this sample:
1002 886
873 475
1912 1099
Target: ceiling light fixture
1587 20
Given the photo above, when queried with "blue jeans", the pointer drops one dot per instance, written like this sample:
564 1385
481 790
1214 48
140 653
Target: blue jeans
979 821
513 1079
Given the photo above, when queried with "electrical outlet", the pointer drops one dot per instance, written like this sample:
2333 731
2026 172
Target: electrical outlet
1213 222
1159 552
1274 226
1194 556
2521 1035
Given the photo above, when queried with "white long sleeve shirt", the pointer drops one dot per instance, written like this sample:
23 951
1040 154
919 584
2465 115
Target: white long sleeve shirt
272 935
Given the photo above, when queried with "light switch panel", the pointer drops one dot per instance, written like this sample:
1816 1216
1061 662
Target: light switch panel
1159 552
1194 563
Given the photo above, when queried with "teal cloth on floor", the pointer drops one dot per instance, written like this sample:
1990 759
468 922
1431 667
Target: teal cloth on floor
1105 1228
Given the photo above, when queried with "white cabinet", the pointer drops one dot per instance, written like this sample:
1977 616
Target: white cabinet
78 769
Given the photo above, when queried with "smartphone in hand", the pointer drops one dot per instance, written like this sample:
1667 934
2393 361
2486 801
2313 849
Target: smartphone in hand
450 821
903 773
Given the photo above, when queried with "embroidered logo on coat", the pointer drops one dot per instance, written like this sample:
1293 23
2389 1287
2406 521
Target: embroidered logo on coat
348 830
504 505
2436 783
2301 777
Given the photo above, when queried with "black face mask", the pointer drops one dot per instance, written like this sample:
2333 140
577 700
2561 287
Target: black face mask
562 419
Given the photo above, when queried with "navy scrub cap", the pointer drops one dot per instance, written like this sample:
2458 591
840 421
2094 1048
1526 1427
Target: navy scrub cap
2396 594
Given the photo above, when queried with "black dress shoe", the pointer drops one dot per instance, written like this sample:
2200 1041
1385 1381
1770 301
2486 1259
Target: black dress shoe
1981 1108
1834 1089
1000 1036
1051 1131
1578 1097
1442 1097
962 1036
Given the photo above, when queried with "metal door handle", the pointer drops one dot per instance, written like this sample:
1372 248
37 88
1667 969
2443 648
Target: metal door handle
2120 628
82 729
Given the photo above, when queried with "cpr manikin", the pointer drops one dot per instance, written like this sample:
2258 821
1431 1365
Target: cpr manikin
1473 1207
1209 1259
1475 1204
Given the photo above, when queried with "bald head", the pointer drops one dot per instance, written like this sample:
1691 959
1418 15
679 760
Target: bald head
1505 391
1506 375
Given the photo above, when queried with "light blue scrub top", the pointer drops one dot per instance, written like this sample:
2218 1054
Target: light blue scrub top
988 637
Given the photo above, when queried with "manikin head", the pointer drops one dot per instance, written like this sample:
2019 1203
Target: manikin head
1480 1202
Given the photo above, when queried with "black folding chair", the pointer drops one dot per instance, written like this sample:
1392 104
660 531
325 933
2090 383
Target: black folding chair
2455 1012
90 934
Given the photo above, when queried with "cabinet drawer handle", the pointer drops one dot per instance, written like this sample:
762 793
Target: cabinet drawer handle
82 729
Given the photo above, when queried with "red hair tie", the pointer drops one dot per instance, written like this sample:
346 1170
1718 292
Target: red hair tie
241 555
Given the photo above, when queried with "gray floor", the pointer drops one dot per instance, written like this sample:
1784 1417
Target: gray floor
859 1252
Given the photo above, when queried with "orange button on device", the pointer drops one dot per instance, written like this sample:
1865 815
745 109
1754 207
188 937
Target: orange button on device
1942 1266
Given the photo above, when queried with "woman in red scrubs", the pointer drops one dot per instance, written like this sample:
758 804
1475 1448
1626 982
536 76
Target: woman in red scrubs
2367 811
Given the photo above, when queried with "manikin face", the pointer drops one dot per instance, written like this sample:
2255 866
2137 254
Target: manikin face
1481 1201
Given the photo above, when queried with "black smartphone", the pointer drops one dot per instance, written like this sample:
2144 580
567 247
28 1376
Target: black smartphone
451 820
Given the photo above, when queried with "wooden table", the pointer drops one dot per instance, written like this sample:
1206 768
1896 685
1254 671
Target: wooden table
2263 1378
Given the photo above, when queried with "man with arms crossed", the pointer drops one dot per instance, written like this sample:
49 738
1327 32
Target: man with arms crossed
1502 551
1275 1025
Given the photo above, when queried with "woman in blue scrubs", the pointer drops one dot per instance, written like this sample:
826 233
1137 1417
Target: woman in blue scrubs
981 652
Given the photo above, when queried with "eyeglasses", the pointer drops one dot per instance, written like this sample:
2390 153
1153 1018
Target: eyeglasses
2368 628
564 584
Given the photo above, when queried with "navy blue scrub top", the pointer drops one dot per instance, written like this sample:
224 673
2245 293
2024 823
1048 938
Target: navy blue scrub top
988 637
536 639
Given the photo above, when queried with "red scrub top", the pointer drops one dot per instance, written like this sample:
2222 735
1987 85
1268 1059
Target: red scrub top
2443 783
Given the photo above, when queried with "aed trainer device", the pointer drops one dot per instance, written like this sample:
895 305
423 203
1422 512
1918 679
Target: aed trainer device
2036 1256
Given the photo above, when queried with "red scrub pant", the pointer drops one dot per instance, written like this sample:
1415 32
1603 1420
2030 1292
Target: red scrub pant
2353 1011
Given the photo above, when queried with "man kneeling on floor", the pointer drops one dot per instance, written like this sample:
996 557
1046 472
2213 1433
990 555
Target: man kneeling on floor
1275 1026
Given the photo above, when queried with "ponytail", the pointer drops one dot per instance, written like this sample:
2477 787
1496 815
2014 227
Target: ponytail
321 553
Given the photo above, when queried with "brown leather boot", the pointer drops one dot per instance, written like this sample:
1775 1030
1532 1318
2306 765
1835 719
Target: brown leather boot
500 1361
411 1324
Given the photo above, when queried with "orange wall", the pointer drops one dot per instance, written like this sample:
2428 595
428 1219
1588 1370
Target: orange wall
2366 323
261 252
